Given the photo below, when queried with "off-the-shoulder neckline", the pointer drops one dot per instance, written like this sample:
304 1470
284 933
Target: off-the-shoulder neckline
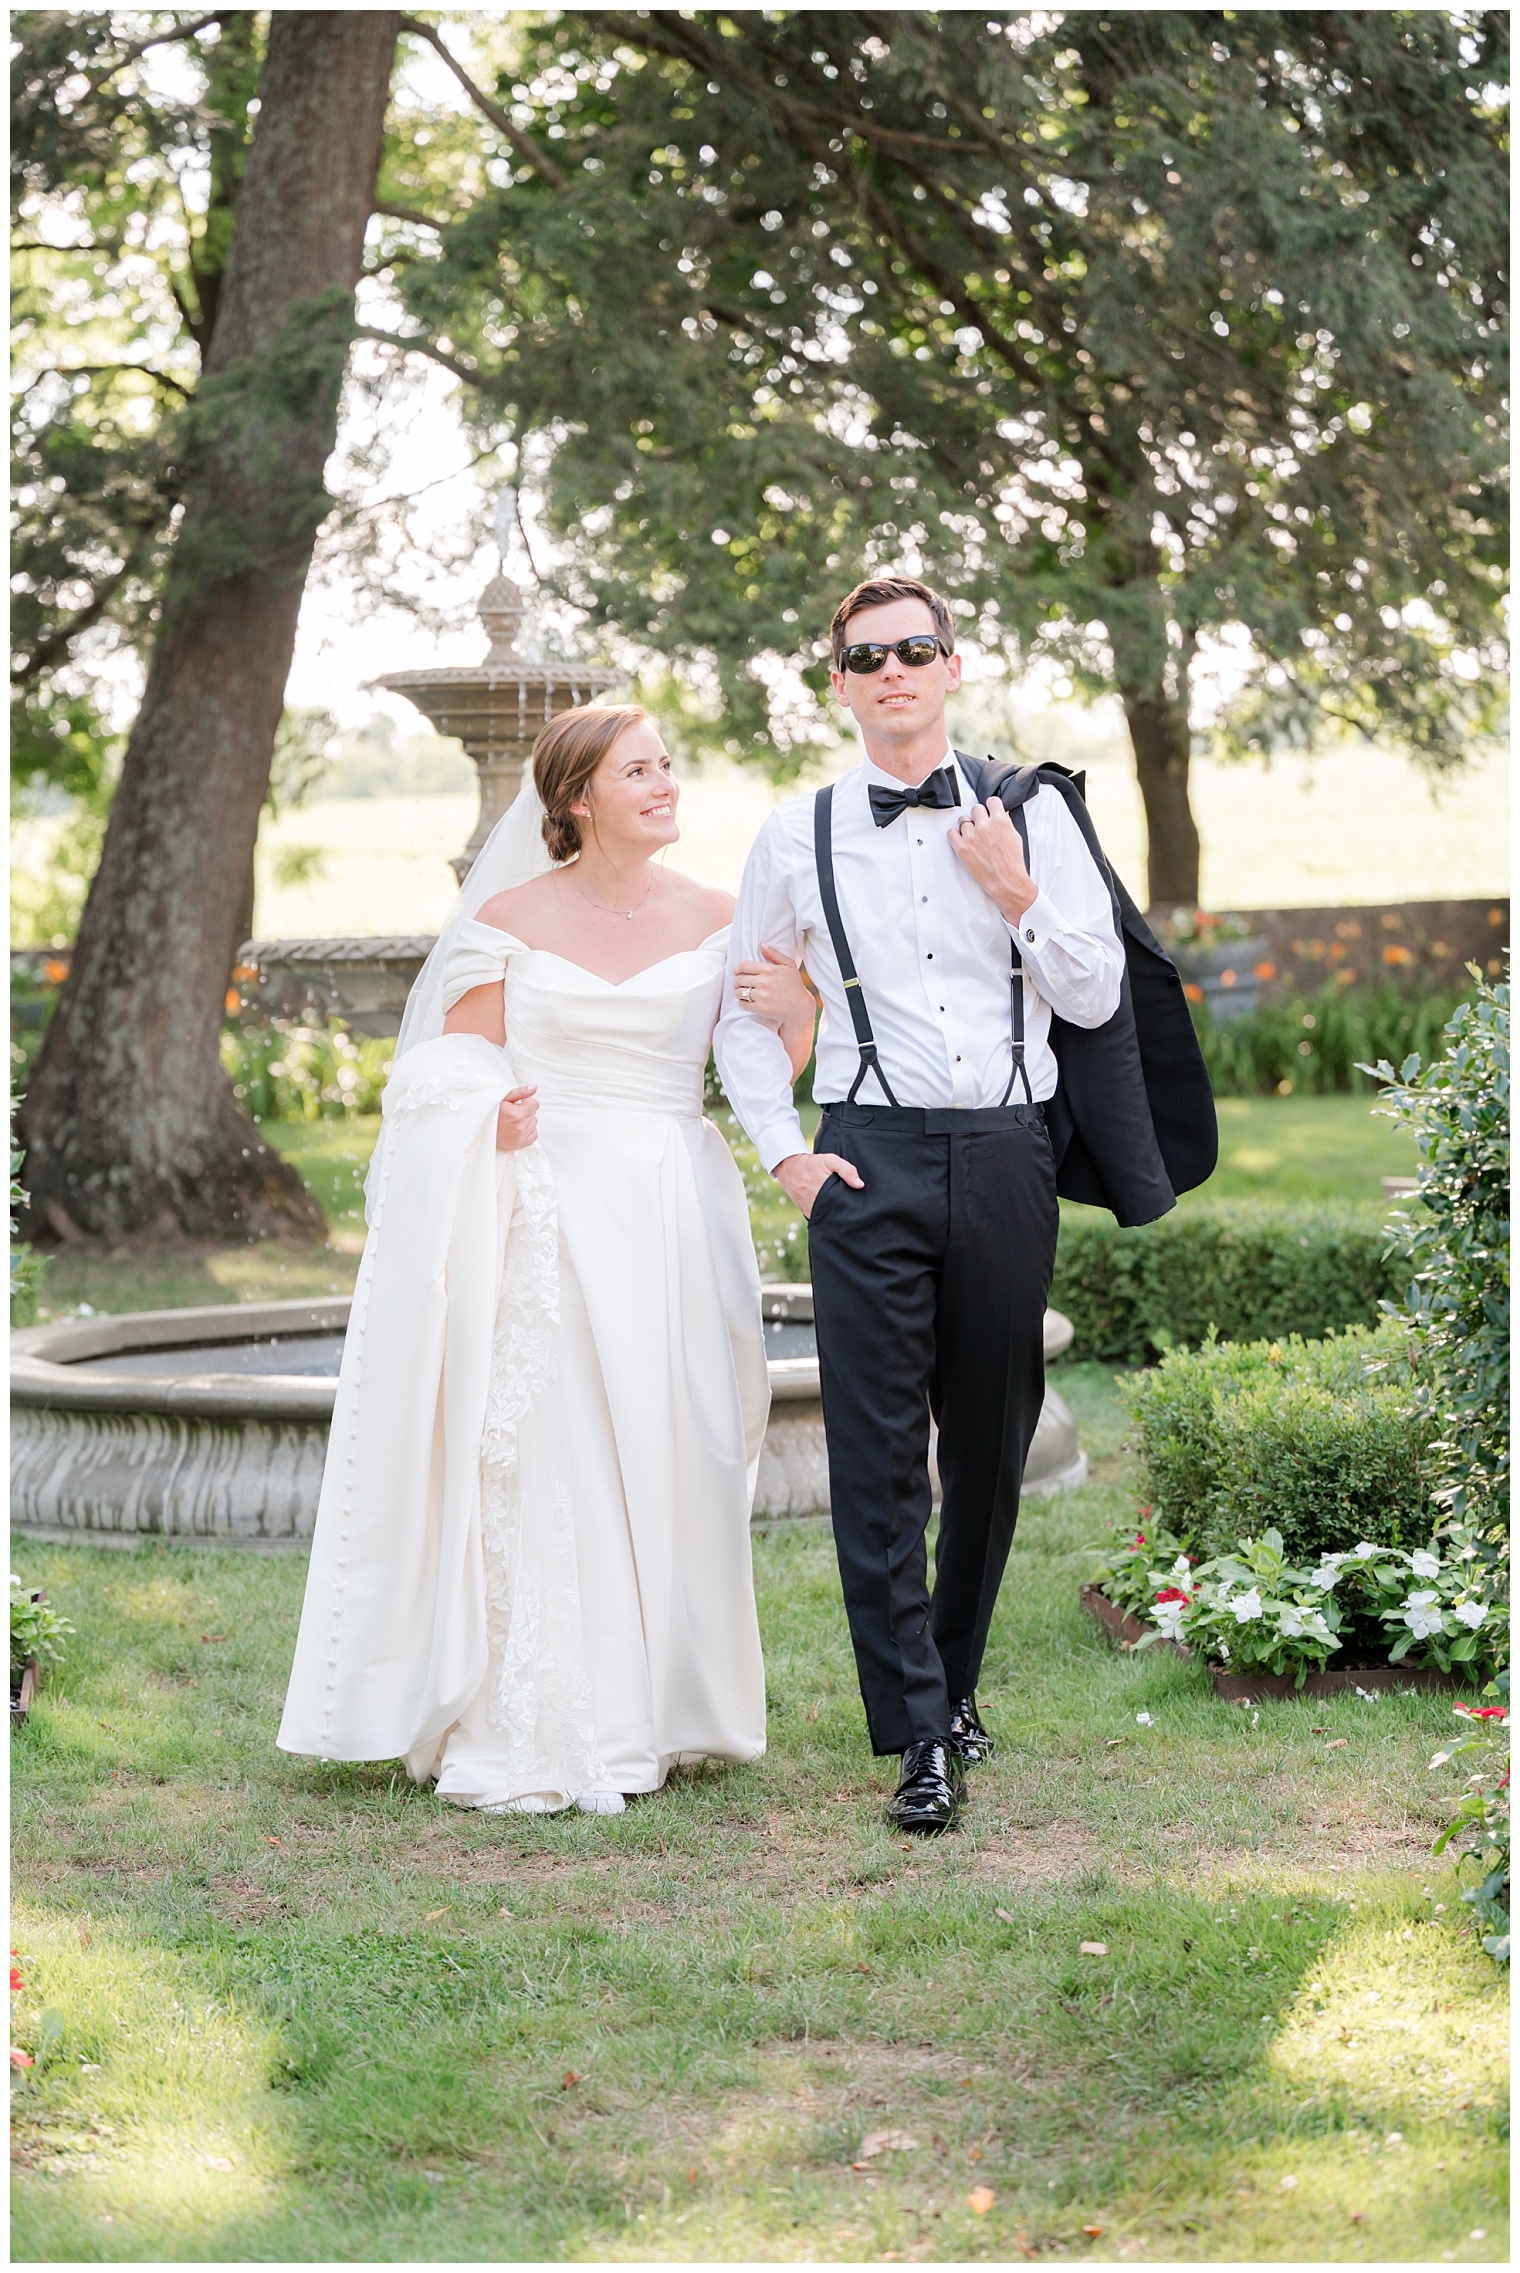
512 940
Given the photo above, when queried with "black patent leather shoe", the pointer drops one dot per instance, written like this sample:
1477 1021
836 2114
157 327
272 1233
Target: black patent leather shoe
928 1794
969 1741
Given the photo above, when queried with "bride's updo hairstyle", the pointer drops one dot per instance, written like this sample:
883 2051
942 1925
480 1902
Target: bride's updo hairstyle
565 757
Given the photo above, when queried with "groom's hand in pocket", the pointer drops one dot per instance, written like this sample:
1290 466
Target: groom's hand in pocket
802 1176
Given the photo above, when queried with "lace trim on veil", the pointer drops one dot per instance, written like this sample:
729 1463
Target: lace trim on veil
539 1696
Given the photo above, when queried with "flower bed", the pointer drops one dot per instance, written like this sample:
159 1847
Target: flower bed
1267 1627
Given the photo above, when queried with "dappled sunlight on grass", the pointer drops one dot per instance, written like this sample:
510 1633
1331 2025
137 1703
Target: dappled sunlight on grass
1396 2017
150 2122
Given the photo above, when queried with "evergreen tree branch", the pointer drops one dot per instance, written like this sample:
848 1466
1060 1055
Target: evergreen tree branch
526 149
406 213
411 345
55 647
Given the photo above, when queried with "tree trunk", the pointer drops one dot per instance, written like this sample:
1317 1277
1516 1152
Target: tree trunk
130 1126
1162 740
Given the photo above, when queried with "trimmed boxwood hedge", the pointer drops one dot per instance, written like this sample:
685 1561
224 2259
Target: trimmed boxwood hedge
1320 1439
1250 1269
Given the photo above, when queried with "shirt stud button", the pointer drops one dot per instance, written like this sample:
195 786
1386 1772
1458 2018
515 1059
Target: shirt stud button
923 899
1029 935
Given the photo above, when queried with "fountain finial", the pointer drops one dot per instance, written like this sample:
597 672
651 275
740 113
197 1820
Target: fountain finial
502 609
497 706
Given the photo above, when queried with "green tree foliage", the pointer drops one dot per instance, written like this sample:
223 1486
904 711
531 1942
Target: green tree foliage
1146 335
124 180
1134 332
1456 1244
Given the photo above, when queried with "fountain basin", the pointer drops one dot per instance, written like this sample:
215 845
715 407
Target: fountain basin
211 1424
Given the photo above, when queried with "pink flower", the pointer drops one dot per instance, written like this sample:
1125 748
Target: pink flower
1173 1594
1484 1712
20 2059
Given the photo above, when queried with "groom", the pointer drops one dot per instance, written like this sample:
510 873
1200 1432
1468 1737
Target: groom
930 1194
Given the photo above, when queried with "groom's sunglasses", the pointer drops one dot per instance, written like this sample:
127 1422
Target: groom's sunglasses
868 655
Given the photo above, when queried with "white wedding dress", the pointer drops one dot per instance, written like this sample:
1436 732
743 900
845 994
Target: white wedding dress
531 1573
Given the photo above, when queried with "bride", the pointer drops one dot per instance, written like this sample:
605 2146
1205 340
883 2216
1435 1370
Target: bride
530 1576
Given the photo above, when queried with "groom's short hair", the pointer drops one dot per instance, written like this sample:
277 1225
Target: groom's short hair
879 592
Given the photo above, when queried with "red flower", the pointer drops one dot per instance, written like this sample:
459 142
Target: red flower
20 2059
1484 1712
1139 1538
17 1984
1173 1594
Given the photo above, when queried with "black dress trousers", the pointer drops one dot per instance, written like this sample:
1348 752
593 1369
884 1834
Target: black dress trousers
929 1293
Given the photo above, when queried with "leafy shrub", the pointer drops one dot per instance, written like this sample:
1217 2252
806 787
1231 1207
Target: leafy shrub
289 1072
1317 1439
1480 1824
36 1629
1457 1247
1317 1044
1249 1269
26 1264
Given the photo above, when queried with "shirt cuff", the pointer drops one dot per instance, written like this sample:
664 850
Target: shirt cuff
778 1140
1035 926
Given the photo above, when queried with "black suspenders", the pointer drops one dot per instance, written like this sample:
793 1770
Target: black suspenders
865 1040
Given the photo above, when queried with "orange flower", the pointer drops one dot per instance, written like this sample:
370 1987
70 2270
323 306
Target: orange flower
55 972
1397 955
246 971
1193 992
1227 978
233 1000
1265 971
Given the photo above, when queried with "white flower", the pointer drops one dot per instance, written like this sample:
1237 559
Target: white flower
1223 1647
1424 1564
1471 1614
1169 1617
1247 1606
1145 1720
1327 1574
1422 1614
1181 1568
1363 1548
1295 1623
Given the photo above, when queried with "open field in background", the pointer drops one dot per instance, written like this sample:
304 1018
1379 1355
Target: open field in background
316 2013
1363 829
1270 1147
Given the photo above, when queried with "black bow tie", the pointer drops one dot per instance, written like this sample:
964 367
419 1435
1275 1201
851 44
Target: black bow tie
940 789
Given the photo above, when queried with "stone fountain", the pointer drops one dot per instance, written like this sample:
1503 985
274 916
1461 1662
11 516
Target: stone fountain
210 1425
496 708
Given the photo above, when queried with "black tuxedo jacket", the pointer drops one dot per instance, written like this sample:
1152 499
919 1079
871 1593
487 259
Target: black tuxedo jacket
1132 1121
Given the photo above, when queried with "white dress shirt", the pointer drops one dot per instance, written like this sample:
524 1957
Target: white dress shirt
931 950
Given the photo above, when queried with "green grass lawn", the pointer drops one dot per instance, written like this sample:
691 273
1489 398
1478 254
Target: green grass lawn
307 2013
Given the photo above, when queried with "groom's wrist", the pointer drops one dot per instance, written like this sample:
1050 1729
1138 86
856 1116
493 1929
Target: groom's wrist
1014 901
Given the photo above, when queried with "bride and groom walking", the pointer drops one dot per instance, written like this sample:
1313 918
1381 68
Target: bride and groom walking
531 1575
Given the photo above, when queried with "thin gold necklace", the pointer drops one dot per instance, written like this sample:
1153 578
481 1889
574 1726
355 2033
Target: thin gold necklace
630 913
